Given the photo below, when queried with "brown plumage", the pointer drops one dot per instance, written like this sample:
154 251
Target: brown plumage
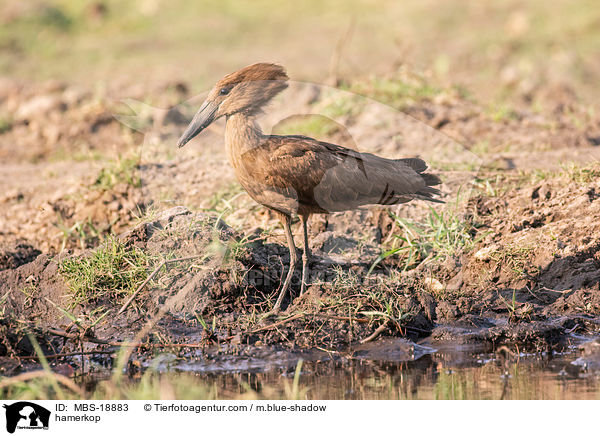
297 175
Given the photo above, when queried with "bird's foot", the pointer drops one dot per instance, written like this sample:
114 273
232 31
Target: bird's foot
273 313
303 287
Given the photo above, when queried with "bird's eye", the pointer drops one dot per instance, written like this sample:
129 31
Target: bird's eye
225 91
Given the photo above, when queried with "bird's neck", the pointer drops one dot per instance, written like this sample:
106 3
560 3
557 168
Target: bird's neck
242 133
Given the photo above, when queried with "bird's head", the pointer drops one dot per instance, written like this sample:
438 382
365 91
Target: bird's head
245 90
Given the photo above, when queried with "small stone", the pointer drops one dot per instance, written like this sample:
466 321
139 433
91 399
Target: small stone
545 192
433 284
485 253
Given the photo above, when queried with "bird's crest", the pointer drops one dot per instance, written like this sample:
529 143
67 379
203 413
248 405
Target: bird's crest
253 73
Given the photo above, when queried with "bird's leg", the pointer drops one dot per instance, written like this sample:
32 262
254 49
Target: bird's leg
305 253
286 220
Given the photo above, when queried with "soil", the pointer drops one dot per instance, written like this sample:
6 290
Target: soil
531 277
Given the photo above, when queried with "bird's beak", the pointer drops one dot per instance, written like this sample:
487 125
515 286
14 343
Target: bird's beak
204 116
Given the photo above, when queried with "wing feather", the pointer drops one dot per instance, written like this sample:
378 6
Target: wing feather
325 177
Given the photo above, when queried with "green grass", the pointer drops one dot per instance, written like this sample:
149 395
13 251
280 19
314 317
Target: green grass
123 170
112 272
399 91
516 258
83 232
151 386
49 385
581 174
512 305
443 234
496 184
451 386
501 113
5 124
315 126
221 201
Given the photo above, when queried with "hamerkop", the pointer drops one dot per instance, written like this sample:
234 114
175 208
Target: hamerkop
297 175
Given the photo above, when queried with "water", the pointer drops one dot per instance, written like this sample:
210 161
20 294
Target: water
397 369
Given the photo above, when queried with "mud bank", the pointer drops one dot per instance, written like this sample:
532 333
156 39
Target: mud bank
217 284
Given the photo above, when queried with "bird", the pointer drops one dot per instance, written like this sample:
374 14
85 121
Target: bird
295 175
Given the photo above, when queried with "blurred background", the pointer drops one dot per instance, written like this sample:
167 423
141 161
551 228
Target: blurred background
498 51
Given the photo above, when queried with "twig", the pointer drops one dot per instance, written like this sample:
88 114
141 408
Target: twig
566 291
278 323
336 56
76 353
95 340
573 329
341 318
531 292
376 333
416 329
151 276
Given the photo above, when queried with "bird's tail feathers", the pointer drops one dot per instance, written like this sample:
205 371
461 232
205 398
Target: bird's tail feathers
427 193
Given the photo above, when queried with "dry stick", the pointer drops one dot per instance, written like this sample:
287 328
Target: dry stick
59 355
342 318
85 337
278 323
336 56
531 292
376 333
115 344
151 276
39 374
300 315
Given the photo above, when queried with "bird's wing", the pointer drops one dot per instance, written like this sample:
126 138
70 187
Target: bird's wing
335 178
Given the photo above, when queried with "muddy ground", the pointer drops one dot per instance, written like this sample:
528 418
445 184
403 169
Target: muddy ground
511 259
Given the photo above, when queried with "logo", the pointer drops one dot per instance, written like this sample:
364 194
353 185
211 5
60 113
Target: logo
26 415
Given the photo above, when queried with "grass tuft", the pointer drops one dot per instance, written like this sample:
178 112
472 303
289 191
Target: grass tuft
399 92
5 124
124 170
113 271
442 235
579 174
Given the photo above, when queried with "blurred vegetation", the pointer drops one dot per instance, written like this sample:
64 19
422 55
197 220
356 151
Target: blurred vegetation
123 170
515 46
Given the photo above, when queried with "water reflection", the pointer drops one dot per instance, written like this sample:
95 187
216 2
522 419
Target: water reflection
452 375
